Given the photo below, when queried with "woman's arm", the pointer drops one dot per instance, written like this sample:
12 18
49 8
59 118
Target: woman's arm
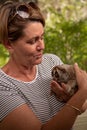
22 118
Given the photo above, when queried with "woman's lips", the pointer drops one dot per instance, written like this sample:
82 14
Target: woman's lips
39 55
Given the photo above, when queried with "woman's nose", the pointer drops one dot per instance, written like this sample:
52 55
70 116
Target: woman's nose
40 47
41 44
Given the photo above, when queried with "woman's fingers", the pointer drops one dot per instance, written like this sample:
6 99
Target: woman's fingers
81 77
55 86
60 91
66 88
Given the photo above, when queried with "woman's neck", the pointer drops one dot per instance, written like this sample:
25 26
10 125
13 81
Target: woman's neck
20 72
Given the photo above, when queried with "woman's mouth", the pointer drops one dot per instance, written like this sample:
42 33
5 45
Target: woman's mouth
38 55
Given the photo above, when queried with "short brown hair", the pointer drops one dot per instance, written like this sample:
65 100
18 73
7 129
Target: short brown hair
11 28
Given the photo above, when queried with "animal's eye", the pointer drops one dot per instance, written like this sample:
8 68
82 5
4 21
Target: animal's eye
56 74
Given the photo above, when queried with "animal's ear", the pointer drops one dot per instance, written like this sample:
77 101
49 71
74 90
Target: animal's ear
71 72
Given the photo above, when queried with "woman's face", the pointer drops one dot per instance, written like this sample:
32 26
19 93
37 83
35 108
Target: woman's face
28 50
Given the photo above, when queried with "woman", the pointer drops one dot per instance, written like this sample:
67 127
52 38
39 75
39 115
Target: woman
26 103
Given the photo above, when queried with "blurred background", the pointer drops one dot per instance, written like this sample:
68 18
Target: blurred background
65 31
65 36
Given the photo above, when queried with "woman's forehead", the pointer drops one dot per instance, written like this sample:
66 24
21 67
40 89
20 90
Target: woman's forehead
34 28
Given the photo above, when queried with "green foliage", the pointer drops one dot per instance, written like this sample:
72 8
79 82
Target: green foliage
65 32
3 55
67 38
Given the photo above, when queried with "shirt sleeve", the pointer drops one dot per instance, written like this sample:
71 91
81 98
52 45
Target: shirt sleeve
53 59
9 100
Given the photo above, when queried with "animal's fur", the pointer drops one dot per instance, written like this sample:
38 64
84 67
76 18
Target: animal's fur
65 74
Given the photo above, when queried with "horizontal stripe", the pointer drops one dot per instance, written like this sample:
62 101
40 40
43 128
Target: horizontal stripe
36 94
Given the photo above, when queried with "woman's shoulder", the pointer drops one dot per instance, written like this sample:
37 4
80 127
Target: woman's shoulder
49 55
6 83
3 76
52 58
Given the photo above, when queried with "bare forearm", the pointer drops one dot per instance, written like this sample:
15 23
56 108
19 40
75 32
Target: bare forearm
65 119
23 118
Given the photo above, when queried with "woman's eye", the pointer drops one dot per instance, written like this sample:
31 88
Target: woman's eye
35 39
32 41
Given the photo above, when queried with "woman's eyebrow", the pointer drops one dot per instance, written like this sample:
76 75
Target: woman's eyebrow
37 36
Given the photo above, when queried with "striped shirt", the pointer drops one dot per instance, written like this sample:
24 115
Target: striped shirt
36 93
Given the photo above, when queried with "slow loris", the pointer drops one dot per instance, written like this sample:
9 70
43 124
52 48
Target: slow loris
65 74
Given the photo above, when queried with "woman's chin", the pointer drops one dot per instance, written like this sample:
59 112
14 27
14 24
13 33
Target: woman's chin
38 61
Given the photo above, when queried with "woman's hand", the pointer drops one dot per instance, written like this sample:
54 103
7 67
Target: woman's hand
60 91
81 77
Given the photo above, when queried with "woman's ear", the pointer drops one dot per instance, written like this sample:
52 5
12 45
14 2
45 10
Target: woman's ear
8 46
